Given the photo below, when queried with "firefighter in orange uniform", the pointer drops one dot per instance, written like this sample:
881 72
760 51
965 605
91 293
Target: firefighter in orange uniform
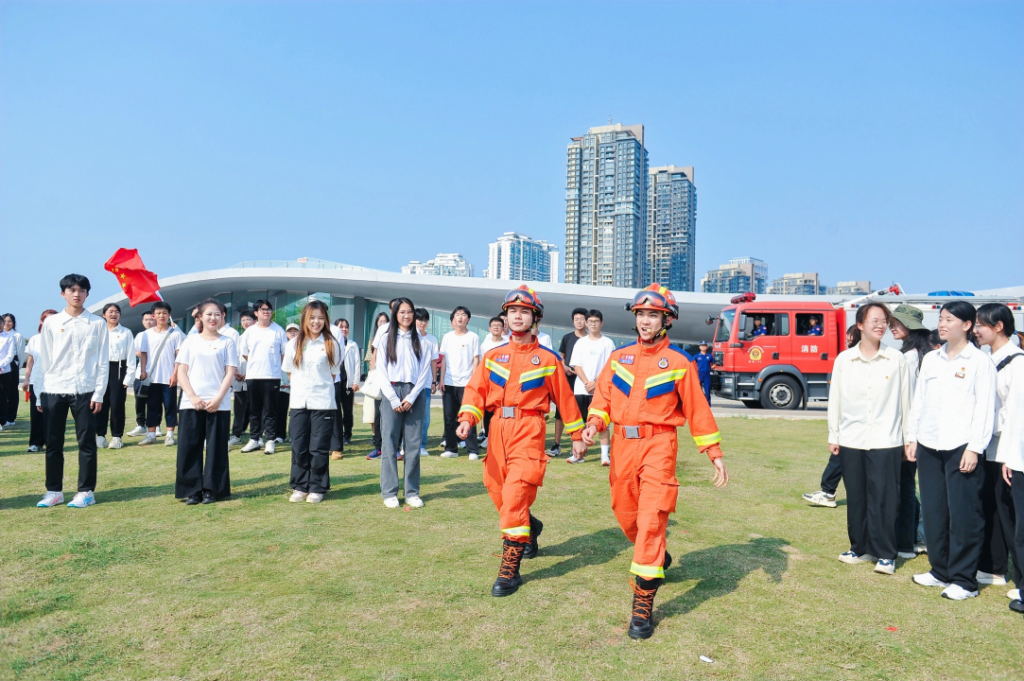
517 381
648 389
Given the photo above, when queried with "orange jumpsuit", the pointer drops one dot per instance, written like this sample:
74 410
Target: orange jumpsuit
647 392
518 383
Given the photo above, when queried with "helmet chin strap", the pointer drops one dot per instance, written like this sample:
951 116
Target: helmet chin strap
519 334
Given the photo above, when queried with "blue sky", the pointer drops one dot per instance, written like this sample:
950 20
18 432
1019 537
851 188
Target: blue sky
862 140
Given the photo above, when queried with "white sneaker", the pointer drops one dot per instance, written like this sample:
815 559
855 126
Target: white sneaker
606 460
391 502
851 558
424 452
137 431
158 433
928 579
169 441
886 567
261 442
575 459
82 500
920 548
414 501
298 496
314 498
450 455
269 449
279 440
819 498
251 446
51 499
101 442
149 439
33 448
233 441
1013 594
989 578
473 456
115 443
462 445
907 555
8 424
955 592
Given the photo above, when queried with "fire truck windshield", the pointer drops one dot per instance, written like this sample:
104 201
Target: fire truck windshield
725 326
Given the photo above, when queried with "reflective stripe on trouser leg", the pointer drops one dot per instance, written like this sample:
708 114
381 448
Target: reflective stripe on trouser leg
513 470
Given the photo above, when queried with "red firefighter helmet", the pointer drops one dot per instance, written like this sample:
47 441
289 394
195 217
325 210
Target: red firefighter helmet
655 297
524 296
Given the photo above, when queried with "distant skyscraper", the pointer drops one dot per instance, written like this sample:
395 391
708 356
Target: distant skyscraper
520 258
605 207
671 226
846 288
740 275
444 265
797 284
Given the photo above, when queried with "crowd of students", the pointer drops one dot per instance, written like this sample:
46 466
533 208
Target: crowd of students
941 408
952 415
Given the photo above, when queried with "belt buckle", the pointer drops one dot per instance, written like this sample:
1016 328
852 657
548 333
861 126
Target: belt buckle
632 432
508 412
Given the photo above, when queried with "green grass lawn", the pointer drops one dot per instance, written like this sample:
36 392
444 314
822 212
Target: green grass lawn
142 587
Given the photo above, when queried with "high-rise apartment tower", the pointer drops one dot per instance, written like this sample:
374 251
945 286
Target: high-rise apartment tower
671 226
520 258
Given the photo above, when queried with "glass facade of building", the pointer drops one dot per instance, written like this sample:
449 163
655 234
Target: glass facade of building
672 226
606 208
740 275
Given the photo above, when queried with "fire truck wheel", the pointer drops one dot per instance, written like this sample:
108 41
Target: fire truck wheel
780 392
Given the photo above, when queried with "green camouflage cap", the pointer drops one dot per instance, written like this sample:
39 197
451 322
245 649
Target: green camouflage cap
910 317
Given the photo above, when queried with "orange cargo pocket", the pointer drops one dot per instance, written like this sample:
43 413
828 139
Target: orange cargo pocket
533 471
669 493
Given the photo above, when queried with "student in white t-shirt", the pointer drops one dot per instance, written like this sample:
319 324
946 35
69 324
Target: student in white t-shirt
135 380
157 350
312 358
206 365
283 398
429 342
493 339
589 356
460 355
262 347
243 413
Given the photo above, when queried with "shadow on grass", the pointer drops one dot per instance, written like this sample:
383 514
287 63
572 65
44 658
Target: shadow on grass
595 548
460 490
720 569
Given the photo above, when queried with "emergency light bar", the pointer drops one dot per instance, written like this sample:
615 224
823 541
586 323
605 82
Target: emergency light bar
745 298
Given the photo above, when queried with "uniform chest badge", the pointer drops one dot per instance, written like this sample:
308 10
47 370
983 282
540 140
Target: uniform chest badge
626 359
501 358
663 363
535 360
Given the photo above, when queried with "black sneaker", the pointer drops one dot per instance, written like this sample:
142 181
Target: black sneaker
194 499
668 561
1017 606
208 497
555 450
536 527
509 580
641 624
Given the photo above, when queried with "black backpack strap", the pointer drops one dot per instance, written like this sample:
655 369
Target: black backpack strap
1007 360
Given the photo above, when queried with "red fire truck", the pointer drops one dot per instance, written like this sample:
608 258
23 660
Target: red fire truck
776 355
779 354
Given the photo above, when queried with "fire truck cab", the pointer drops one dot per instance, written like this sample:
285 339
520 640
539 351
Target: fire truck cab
776 355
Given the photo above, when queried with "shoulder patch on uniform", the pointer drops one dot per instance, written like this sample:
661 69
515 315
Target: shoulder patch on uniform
682 352
626 359
501 358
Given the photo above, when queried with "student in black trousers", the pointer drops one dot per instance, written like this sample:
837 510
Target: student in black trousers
262 347
37 426
950 426
311 360
206 365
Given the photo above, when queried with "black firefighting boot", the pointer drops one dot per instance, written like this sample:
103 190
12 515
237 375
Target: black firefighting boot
641 625
509 581
536 527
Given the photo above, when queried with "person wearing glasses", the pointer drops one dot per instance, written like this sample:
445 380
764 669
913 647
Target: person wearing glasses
648 390
518 381
262 348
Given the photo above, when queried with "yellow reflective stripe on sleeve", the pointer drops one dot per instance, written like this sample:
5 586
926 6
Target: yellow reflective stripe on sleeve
622 372
603 414
498 369
534 374
647 571
517 531
573 426
469 408
704 440
664 377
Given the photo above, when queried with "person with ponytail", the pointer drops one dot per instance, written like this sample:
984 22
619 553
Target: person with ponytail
206 364
406 365
311 360
950 427
995 328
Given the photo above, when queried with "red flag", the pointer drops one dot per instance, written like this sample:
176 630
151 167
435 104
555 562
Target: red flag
138 283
